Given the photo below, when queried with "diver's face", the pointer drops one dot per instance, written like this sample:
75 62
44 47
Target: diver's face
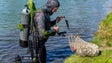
54 9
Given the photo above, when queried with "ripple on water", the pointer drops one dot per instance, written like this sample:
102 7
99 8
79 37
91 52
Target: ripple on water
83 16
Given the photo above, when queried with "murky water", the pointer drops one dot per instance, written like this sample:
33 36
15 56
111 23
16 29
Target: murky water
83 16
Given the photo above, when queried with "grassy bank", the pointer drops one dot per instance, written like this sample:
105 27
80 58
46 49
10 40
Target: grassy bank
103 38
106 57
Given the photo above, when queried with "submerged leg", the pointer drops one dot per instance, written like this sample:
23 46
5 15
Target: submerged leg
42 54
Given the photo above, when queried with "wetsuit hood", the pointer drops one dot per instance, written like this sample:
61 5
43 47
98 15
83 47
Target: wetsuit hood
52 3
47 10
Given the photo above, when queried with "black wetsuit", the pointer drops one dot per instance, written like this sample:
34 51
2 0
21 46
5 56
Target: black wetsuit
45 24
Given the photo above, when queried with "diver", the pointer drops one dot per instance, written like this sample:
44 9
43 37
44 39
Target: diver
45 26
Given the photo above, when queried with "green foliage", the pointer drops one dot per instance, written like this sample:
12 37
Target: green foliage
105 57
45 34
32 8
20 26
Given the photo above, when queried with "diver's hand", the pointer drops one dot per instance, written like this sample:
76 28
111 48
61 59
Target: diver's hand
58 19
56 28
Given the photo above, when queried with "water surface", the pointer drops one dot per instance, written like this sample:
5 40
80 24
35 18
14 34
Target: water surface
83 16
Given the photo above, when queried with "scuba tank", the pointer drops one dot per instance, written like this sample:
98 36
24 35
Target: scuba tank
25 21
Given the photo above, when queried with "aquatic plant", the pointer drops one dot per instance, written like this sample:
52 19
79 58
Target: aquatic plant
32 8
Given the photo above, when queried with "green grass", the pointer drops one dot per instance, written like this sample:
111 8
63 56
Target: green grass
103 38
105 57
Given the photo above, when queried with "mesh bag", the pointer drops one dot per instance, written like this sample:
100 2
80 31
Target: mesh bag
82 47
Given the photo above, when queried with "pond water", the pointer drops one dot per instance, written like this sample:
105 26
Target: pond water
84 17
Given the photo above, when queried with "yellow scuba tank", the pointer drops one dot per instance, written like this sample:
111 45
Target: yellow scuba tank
25 21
